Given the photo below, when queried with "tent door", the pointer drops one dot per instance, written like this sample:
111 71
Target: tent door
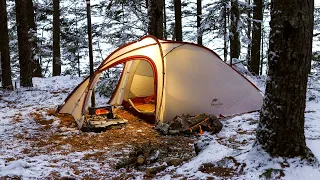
140 91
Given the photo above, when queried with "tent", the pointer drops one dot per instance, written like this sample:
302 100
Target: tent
164 78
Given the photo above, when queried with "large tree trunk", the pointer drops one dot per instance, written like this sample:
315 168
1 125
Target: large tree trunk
177 17
56 63
4 47
281 128
37 71
256 37
199 13
234 37
155 14
25 55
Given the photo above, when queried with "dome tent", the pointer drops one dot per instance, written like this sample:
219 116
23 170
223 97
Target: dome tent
169 78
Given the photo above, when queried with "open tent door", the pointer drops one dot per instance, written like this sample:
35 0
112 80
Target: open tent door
140 89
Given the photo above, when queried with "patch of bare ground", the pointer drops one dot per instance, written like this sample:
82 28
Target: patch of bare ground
225 168
105 148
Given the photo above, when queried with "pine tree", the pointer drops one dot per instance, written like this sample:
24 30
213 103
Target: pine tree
256 37
215 22
225 32
4 47
25 52
56 63
249 22
234 30
199 13
37 70
165 34
43 18
155 15
178 19
281 128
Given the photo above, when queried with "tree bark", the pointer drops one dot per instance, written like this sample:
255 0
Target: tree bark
199 13
25 55
177 18
37 71
155 15
165 34
93 98
262 50
225 33
234 37
4 47
56 63
281 128
256 37
249 21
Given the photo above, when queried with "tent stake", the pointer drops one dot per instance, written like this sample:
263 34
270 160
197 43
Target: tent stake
93 99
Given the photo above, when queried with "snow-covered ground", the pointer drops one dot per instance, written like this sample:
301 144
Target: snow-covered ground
29 147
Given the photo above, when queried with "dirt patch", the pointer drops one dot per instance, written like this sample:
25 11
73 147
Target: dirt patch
102 148
40 119
226 168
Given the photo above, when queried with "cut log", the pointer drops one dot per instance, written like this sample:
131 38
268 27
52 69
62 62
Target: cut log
140 160
154 170
174 162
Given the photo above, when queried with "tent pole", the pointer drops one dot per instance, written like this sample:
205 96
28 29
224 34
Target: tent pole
93 99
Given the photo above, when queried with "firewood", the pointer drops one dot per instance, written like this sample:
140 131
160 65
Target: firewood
140 160
154 170
174 162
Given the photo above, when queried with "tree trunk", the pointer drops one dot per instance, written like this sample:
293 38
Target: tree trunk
262 50
56 63
37 71
155 15
199 13
234 37
4 47
225 33
25 55
165 35
281 128
177 17
249 21
93 98
256 37
77 43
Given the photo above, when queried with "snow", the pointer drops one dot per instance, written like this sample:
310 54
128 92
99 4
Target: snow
235 140
56 82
